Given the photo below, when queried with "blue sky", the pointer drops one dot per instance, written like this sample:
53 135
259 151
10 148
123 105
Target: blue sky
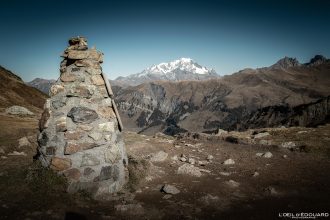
133 35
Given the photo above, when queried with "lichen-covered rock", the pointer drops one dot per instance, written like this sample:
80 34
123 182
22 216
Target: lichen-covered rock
79 135
82 115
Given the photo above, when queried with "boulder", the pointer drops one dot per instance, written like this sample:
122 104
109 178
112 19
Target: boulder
19 110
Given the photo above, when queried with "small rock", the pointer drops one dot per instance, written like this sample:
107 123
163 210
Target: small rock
23 142
2 151
189 169
107 126
221 132
229 162
159 156
289 145
255 174
18 110
267 155
224 173
169 189
232 183
259 154
60 164
209 157
209 199
16 153
183 159
95 136
133 209
177 146
271 190
301 132
167 196
203 162
4 157
261 135
191 161
285 156
175 157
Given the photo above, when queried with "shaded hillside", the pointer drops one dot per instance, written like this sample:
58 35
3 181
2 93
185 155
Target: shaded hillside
307 115
221 103
13 91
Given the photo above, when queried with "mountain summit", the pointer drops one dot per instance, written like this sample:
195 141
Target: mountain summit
181 69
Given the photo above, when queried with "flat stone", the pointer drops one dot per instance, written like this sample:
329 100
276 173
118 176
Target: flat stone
73 174
232 183
267 155
89 160
73 147
43 139
160 156
85 127
44 120
106 173
189 169
107 126
81 90
88 171
85 54
55 89
82 115
111 155
191 161
209 157
50 150
289 145
170 189
73 135
22 142
68 77
60 164
88 63
61 124
19 110
95 136
97 80
103 91
221 132
58 104
16 153
93 71
261 135
106 112
229 162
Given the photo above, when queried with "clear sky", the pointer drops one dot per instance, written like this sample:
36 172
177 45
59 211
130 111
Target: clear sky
133 35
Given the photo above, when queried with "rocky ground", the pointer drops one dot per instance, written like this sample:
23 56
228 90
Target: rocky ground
249 175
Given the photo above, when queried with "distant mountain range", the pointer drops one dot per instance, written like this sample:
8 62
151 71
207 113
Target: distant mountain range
229 101
177 70
185 96
42 84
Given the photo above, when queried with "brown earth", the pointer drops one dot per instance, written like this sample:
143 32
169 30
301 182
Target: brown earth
298 183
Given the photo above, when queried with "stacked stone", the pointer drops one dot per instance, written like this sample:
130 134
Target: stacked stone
80 135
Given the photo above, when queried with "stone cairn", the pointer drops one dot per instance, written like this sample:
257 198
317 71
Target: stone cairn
80 126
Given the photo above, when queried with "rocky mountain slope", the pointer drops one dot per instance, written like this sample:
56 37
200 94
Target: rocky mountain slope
42 84
181 69
13 91
223 102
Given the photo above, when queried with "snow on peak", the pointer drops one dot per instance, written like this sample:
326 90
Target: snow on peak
182 64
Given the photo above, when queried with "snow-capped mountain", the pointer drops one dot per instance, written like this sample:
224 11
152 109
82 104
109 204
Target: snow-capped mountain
181 69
